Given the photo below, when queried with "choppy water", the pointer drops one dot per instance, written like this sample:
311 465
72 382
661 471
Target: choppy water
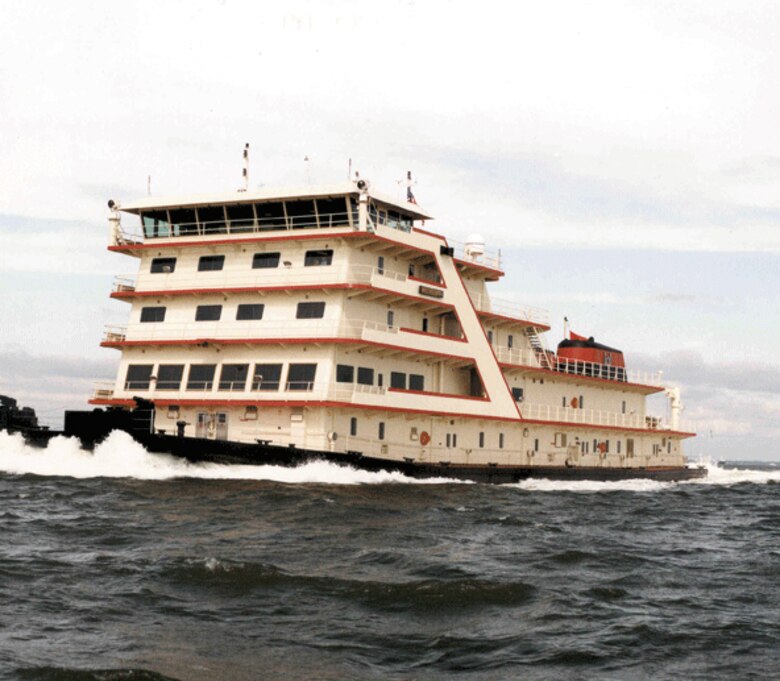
125 565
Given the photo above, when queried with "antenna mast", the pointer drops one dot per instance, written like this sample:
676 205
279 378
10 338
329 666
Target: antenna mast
245 172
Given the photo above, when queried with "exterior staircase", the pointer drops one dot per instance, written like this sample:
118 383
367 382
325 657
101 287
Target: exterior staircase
543 355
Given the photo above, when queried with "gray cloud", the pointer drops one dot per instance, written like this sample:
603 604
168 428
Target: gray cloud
689 368
20 365
539 181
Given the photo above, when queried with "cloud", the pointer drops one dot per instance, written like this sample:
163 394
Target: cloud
690 368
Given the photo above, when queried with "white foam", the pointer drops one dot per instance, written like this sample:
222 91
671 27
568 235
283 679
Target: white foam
716 475
119 456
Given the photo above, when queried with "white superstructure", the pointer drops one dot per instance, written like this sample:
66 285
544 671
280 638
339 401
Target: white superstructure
329 319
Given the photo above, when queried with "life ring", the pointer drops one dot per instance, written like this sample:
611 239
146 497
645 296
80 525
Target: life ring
424 438
574 402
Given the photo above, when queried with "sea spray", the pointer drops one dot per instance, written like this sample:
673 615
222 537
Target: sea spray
119 456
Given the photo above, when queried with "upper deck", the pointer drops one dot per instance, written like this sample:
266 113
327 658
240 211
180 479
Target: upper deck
265 214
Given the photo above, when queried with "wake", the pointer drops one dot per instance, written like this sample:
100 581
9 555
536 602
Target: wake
717 475
119 456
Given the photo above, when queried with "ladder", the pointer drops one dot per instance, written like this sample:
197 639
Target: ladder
539 347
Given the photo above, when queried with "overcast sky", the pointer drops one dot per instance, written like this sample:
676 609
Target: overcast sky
625 156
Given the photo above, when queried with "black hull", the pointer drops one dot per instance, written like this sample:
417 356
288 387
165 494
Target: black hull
227 452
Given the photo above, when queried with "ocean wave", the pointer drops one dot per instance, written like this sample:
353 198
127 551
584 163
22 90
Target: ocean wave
120 456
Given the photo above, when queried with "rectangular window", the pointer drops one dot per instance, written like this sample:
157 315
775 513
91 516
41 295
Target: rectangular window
152 314
183 221
416 382
169 376
481 439
510 341
310 311
270 216
201 377
560 439
138 376
345 373
380 264
381 430
267 377
241 217
618 446
233 377
365 376
581 402
247 311
490 337
301 376
397 380
163 265
209 263
629 446
332 212
425 324
390 319
301 214
623 407
517 394
212 219
536 444
563 401
500 440
318 258
156 224
208 313
448 440
262 261
353 426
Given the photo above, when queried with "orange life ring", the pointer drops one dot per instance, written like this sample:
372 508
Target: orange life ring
574 402
424 438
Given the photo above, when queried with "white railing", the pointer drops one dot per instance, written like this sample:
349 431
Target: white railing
486 257
114 334
282 276
230 330
123 284
103 390
595 417
529 358
166 229
509 308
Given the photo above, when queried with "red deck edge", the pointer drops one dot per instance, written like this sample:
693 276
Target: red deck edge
435 394
296 287
563 374
433 335
514 320
272 341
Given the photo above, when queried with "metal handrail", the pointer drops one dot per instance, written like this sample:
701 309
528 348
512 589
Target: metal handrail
529 358
509 308
487 257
